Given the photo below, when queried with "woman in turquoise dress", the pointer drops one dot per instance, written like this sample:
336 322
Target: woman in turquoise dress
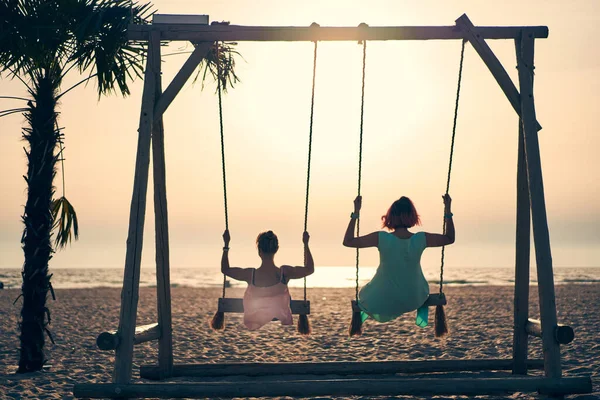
399 285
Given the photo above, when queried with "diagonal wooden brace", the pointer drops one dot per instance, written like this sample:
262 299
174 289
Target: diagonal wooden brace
180 79
491 61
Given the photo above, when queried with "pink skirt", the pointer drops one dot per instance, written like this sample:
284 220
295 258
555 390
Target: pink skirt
263 304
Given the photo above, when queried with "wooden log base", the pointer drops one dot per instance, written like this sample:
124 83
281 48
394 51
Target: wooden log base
563 334
340 387
432 301
144 333
334 368
231 305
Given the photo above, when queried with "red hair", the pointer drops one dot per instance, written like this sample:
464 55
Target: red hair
401 214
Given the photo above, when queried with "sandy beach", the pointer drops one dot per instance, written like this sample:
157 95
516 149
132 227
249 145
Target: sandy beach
480 319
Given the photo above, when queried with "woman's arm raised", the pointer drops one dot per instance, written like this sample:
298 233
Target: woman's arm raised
370 240
239 274
437 240
290 272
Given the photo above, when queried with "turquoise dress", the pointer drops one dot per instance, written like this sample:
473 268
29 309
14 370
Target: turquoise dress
399 285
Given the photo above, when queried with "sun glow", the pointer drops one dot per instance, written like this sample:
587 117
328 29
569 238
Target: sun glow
409 101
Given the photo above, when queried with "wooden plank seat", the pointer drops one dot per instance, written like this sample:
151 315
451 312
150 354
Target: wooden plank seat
233 305
433 300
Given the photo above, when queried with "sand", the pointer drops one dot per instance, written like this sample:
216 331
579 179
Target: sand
480 320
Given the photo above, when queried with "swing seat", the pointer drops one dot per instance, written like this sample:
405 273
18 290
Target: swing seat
433 300
232 305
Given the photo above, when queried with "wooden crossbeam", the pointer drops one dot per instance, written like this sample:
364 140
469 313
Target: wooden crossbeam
475 37
333 368
238 33
232 305
340 387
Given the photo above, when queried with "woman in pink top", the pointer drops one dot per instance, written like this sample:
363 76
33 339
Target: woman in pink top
267 296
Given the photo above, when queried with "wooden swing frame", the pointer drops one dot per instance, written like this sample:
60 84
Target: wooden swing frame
530 203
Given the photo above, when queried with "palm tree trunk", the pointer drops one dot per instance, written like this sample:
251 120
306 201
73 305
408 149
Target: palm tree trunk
42 138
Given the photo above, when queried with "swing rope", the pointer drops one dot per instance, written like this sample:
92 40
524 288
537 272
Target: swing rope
460 70
219 90
360 148
310 134
217 322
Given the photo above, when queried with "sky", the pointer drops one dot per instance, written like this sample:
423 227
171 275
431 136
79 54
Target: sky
409 105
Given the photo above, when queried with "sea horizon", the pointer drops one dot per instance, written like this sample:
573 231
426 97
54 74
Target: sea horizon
324 277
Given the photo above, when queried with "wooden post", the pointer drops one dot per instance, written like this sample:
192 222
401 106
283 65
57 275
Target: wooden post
541 236
161 223
135 237
521 307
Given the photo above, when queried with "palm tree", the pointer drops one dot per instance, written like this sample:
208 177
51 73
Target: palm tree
40 42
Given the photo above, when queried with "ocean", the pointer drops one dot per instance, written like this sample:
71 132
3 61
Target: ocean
71 278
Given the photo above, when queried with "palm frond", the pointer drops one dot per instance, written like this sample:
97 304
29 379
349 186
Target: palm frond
14 98
11 111
219 62
64 222
102 47
33 33
12 43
